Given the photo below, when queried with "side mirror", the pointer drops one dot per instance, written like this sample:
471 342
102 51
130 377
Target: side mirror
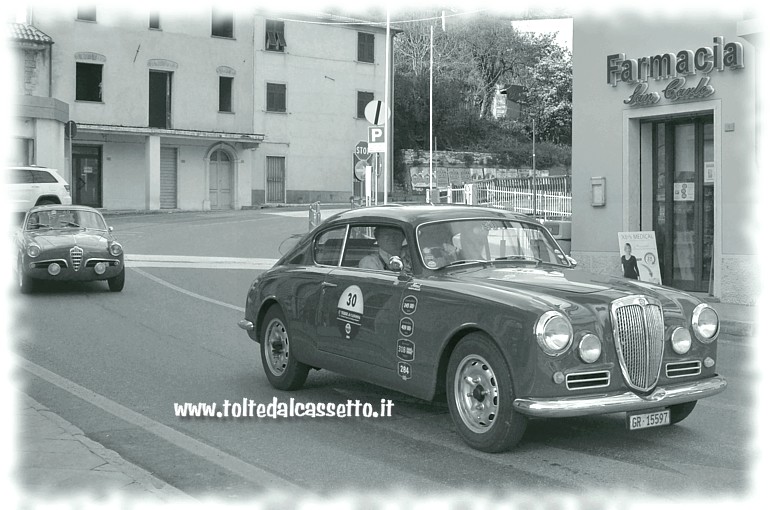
396 264
110 229
572 262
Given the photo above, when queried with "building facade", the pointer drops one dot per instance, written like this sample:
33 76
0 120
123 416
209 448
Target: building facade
665 140
204 108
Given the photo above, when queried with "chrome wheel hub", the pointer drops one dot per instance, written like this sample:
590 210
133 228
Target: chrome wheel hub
476 393
276 346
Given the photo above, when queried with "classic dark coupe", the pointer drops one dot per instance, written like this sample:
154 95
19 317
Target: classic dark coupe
482 306
67 243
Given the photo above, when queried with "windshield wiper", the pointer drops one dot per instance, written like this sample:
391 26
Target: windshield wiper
466 261
38 225
520 257
73 224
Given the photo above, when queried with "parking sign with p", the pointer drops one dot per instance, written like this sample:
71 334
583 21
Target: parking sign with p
376 139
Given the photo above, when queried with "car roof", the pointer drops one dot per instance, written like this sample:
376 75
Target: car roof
32 167
423 213
61 206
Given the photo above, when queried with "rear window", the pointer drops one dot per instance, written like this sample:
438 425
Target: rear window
43 177
20 176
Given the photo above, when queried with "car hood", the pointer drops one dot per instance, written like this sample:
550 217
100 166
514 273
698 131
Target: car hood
86 239
562 283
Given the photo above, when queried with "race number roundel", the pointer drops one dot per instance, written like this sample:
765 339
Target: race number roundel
350 310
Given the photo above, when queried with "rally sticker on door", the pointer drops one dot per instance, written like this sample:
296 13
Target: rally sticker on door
350 310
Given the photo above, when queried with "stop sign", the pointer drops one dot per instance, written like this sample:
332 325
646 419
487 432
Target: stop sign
362 151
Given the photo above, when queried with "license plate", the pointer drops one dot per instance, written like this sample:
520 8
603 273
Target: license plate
637 421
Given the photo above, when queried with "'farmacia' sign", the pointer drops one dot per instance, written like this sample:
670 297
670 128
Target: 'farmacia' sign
675 67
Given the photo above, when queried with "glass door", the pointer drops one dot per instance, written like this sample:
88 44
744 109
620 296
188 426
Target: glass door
87 175
683 204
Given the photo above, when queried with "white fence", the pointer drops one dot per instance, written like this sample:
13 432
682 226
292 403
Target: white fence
543 197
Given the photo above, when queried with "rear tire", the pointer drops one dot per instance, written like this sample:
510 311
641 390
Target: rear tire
116 283
281 366
681 411
480 394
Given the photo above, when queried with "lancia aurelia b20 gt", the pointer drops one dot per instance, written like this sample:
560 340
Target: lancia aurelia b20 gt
482 306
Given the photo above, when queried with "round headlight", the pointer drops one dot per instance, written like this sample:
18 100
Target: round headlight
554 333
54 269
590 348
33 250
705 323
116 249
681 340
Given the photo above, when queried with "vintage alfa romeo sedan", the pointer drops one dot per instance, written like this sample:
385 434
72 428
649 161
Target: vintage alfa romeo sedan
67 243
482 306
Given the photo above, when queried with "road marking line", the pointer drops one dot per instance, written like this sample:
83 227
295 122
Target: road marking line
254 474
196 262
185 291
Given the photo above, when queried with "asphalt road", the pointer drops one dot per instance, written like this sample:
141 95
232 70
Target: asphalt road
114 365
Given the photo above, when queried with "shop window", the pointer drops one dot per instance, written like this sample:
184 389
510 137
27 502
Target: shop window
225 94
364 98
274 39
88 82
87 13
365 47
221 23
276 97
155 20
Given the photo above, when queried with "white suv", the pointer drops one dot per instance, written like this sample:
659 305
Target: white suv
34 185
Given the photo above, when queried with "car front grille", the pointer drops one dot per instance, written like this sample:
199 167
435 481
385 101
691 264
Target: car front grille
638 327
76 257
586 380
682 369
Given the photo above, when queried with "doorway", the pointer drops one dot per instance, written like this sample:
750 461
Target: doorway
87 175
220 180
683 183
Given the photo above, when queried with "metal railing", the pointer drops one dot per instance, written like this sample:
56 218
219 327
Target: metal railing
543 197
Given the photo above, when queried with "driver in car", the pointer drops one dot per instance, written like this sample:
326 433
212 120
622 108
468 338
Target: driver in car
389 243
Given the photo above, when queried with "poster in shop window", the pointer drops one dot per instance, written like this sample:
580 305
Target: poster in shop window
639 256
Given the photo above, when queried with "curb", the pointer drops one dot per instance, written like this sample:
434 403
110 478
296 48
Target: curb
145 479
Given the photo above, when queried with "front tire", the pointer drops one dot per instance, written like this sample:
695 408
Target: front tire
480 395
281 367
681 411
25 282
116 283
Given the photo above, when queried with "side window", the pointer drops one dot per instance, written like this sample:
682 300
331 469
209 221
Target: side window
43 177
21 176
327 246
361 242
372 246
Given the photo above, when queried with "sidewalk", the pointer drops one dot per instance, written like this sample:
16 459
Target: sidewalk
56 460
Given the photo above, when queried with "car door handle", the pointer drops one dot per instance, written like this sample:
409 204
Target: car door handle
327 285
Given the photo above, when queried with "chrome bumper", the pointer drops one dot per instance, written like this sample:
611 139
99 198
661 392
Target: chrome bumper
246 325
564 407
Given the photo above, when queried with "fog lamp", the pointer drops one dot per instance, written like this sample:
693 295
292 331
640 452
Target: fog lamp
708 362
558 377
681 340
590 348
100 268
54 269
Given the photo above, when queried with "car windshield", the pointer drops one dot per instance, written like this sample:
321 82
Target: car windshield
447 243
57 219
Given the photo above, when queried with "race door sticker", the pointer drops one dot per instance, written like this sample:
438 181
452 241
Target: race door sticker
409 305
350 310
406 326
405 350
404 370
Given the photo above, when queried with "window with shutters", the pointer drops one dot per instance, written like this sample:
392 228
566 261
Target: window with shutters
276 97
364 98
365 47
274 38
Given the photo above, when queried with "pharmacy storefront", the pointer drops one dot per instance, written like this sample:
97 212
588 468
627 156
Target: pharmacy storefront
665 130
